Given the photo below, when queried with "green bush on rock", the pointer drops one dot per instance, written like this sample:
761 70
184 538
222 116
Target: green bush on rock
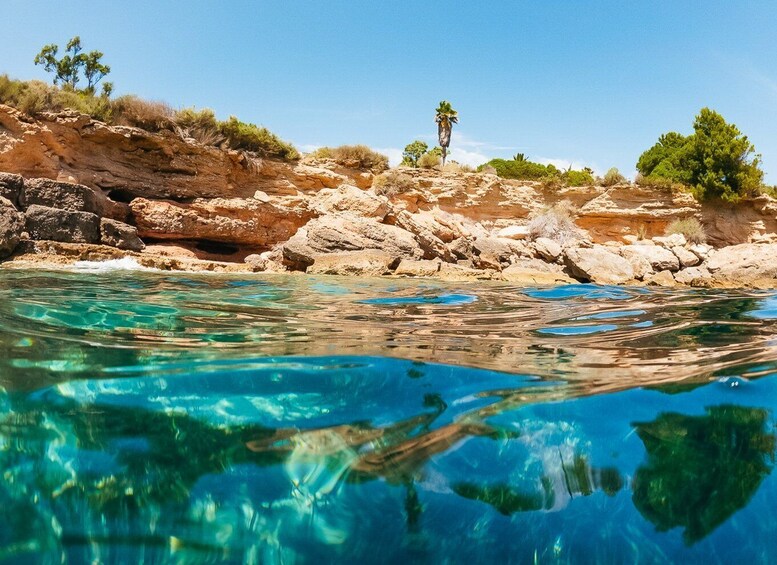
716 161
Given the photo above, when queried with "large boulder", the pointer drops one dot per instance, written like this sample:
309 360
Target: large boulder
422 268
547 249
351 200
11 187
660 258
44 222
62 195
239 221
599 265
498 252
747 265
121 235
423 227
367 262
339 233
687 258
11 227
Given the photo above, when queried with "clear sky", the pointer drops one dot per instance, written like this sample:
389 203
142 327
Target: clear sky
589 82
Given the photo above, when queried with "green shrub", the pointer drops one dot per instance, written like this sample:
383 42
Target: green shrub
658 183
577 178
250 137
613 177
690 227
392 183
200 125
556 223
429 160
521 170
34 97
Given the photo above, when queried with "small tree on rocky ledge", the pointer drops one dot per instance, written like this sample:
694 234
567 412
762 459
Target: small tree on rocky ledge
70 67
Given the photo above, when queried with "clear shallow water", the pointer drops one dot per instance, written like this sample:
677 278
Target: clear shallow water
150 417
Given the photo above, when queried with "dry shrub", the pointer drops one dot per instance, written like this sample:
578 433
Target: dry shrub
613 177
454 167
429 161
354 157
152 116
552 183
488 170
391 183
690 227
556 223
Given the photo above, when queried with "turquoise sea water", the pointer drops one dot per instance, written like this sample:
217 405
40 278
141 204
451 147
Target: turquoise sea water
149 417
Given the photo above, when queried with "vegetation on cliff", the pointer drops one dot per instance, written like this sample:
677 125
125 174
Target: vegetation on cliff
35 97
716 161
354 156
520 168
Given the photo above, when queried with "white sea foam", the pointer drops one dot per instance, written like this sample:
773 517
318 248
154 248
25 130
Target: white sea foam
123 264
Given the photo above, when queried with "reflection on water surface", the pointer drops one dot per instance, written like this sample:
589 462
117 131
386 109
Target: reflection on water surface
154 417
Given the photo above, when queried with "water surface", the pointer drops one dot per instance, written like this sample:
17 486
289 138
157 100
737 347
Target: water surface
148 417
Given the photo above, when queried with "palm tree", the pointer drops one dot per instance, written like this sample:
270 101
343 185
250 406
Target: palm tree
446 116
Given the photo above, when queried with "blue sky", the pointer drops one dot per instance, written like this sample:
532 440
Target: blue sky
588 82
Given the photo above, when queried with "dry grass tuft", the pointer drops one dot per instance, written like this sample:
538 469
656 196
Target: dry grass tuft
391 183
690 227
556 223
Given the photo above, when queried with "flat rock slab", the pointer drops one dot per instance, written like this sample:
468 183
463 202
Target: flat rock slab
367 263
62 195
43 222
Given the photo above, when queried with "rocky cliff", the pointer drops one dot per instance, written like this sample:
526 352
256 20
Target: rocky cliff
77 188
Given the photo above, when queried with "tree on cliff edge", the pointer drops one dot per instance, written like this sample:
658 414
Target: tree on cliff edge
68 69
445 117
716 161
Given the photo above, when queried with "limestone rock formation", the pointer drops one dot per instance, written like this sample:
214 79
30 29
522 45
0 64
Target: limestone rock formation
235 220
11 187
349 199
337 233
748 264
121 235
45 222
659 258
11 226
366 262
599 265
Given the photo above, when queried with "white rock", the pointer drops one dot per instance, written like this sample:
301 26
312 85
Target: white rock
514 232
660 259
686 257
547 249
669 241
